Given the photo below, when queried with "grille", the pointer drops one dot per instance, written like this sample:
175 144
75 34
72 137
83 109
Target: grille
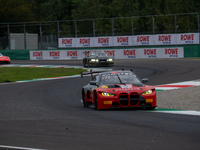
134 98
123 99
103 60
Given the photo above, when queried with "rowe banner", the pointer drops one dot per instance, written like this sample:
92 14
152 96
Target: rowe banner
138 40
176 52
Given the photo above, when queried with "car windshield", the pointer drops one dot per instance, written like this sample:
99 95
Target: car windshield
98 54
119 78
102 54
1 55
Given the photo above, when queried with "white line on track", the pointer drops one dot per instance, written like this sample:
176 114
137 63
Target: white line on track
20 148
184 112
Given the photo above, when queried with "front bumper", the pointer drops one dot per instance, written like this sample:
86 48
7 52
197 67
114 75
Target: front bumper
127 100
101 63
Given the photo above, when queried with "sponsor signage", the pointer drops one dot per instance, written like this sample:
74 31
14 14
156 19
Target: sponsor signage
84 42
143 40
139 40
123 41
176 52
165 39
103 41
67 42
188 38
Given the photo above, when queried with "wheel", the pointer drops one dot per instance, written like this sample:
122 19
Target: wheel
84 65
85 103
95 101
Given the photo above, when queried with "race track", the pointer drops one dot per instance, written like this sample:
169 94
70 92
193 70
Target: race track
49 114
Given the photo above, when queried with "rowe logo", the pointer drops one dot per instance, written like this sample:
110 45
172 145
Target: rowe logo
85 41
37 54
110 52
54 53
164 38
142 38
103 40
122 39
187 37
129 52
171 51
149 51
66 41
72 53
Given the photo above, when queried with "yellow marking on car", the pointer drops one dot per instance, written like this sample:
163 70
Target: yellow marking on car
103 86
149 100
108 102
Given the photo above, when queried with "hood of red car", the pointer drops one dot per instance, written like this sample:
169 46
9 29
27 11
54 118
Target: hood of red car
124 88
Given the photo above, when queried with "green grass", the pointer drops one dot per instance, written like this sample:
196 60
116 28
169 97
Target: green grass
12 74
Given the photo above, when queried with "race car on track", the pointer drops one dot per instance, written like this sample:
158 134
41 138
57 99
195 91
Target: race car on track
4 59
97 59
118 89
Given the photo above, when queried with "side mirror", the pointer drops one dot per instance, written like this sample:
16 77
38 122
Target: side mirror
145 80
93 83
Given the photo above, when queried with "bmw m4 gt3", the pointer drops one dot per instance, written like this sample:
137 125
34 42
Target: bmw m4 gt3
118 89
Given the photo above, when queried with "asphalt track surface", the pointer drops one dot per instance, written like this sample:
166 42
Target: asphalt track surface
49 114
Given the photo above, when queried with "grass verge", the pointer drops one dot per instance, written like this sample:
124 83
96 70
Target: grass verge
12 74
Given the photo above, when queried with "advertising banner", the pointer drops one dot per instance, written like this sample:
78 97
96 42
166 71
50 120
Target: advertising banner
67 42
165 39
176 52
143 40
103 41
188 38
123 41
84 42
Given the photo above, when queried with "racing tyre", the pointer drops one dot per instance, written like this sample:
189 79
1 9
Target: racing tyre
85 104
96 101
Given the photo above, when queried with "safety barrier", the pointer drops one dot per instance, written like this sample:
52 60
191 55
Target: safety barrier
188 51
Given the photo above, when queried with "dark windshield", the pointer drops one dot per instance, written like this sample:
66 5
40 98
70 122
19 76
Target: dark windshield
119 78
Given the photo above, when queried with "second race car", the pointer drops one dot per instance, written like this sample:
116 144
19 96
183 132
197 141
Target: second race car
118 89
4 59
97 59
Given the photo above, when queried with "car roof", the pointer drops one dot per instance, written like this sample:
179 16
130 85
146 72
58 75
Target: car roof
118 71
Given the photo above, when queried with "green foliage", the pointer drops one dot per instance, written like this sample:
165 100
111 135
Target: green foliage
71 10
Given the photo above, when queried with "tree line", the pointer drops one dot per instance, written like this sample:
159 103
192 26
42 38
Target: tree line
58 10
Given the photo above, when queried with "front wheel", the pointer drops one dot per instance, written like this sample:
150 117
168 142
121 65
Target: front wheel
85 103
96 101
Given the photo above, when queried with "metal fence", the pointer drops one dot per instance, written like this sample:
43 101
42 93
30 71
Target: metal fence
48 32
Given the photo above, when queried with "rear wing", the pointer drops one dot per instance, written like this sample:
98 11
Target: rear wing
95 72
90 73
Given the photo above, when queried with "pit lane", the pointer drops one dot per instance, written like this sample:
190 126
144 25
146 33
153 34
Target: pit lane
49 115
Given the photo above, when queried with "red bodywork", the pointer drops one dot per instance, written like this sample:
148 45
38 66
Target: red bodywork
124 96
5 59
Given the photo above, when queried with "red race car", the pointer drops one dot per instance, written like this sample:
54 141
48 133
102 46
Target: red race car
118 89
4 59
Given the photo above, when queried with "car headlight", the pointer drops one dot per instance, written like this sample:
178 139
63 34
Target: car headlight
147 92
94 60
107 94
110 59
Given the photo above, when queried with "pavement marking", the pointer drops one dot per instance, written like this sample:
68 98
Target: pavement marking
174 111
20 148
178 85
